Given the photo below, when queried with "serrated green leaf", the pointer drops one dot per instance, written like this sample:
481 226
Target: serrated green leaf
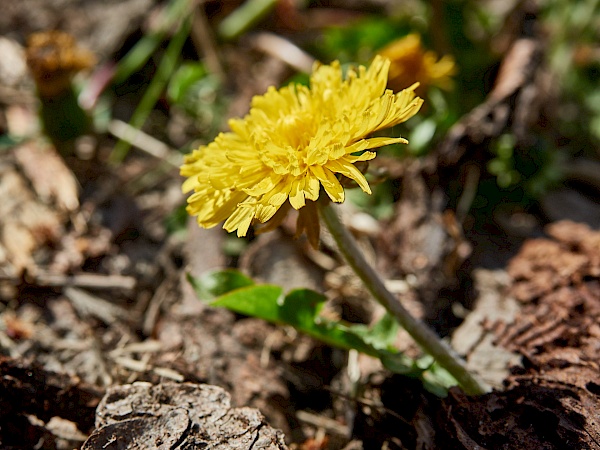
301 308
435 378
399 363
337 335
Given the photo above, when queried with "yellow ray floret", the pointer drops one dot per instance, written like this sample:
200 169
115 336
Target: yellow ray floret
294 142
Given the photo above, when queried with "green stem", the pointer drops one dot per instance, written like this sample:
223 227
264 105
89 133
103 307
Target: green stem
244 18
135 59
160 80
419 331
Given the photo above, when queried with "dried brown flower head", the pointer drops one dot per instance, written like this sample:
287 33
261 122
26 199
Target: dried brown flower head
54 58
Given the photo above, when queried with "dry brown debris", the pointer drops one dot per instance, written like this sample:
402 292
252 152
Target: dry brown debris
35 204
558 330
31 397
558 280
172 415
543 266
552 401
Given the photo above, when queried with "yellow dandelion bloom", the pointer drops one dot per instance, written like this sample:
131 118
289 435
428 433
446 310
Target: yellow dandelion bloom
294 143
411 62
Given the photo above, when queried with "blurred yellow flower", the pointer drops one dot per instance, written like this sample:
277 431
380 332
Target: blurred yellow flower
293 142
410 62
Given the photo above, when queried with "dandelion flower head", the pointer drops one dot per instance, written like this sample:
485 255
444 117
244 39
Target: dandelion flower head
295 143
410 62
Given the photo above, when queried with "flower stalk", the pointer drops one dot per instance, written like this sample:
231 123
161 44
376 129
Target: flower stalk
419 331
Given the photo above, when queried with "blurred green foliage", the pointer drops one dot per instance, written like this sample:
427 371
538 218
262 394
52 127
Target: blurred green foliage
200 95
357 42
573 30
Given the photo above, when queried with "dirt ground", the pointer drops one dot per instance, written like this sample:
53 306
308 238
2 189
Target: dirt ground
105 345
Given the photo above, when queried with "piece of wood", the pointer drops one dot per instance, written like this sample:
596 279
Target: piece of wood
171 415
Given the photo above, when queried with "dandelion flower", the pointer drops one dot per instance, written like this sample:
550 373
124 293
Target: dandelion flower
410 62
295 143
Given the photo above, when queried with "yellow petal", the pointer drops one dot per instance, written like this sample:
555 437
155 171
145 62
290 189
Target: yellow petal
349 170
240 220
297 193
312 188
330 183
382 141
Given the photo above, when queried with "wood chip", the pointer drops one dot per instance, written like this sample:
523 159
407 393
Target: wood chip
187 415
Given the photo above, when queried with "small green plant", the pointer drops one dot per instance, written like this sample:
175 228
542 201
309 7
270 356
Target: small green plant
292 151
301 309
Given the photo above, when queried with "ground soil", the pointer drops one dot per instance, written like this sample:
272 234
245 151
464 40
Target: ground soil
105 345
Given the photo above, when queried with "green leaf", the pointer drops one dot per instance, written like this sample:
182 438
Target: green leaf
399 363
260 301
302 307
219 282
381 335
186 75
436 379
338 335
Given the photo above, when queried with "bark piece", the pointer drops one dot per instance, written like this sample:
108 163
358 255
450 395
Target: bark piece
178 416
476 340
533 415
557 332
558 281
552 401
30 397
